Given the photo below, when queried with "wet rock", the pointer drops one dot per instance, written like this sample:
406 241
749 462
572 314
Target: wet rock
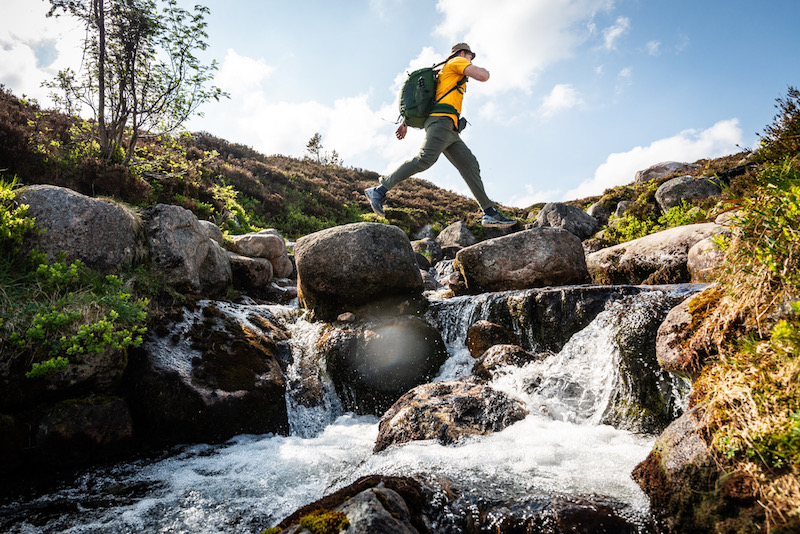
81 430
182 252
645 398
572 219
345 267
663 169
102 234
659 258
561 515
447 412
373 363
457 234
482 335
680 474
685 188
500 356
209 377
372 504
531 258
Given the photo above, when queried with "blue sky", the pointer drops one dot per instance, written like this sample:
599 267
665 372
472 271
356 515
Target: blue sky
583 93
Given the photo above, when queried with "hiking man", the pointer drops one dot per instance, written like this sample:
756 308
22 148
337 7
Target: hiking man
442 136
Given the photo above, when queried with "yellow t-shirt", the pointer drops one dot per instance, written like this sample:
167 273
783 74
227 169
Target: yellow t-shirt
450 75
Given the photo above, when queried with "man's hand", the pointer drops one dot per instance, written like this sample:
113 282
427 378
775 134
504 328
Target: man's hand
401 131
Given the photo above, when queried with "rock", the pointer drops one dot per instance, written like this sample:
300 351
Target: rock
182 252
705 260
654 259
526 259
426 232
482 335
372 364
208 376
662 169
622 207
672 350
264 244
679 474
447 412
372 504
457 234
81 430
249 274
685 188
570 218
212 231
102 234
429 248
282 266
500 356
599 212
345 267
645 398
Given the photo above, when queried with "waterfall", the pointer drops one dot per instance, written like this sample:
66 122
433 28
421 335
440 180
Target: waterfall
251 482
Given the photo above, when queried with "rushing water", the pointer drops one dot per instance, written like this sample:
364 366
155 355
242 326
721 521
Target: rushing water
252 482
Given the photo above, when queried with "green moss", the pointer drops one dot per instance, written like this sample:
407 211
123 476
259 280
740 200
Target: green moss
325 522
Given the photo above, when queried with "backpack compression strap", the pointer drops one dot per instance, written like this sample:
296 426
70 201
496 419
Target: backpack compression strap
438 107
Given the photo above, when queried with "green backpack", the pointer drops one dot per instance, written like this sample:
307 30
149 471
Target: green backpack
418 94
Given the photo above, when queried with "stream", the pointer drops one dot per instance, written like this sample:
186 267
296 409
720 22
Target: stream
251 482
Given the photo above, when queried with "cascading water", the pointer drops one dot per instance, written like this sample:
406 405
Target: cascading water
252 482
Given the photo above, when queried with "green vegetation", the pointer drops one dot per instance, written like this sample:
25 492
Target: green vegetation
749 328
325 522
49 313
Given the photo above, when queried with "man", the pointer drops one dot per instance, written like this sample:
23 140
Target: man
441 137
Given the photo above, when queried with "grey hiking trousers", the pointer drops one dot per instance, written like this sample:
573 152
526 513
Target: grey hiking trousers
442 137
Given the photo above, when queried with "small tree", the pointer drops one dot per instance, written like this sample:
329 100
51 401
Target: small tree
782 138
139 71
314 147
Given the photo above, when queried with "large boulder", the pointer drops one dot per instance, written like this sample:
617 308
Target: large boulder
572 219
685 188
183 253
447 412
208 375
373 363
660 170
531 258
654 259
102 234
349 266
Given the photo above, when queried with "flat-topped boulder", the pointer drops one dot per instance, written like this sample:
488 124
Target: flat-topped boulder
570 218
532 258
659 258
660 170
349 266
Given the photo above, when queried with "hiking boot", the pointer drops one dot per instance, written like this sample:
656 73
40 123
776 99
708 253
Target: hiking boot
376 199
497 220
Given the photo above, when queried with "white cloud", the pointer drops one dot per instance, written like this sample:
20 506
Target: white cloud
532 196
561 98
517 40
654 48
689 145
33 47
239 74
613 33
